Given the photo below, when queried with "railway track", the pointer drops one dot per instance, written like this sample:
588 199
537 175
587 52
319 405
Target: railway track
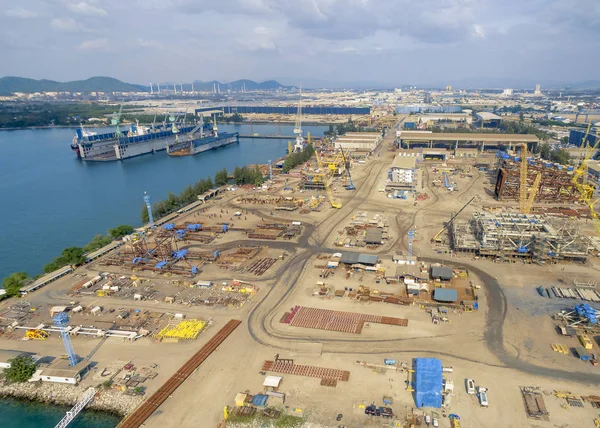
148 407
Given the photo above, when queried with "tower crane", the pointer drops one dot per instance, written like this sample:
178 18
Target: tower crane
525 201
350 186
332 201
299 146
437 235
586 191
116 120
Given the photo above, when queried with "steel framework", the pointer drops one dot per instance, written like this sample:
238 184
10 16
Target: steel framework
61 321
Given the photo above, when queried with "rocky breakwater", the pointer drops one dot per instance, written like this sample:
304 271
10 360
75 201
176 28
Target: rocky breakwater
106 400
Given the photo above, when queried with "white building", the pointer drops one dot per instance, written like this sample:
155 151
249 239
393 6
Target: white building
403 170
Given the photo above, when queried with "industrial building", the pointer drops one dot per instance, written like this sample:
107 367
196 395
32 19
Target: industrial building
535 237
487 120
556 180
291 110
576 137
454 139
358 141
402 174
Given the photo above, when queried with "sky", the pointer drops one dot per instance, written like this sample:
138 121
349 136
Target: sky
391 42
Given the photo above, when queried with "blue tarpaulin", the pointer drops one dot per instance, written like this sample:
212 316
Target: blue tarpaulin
179 254
260 400
194 227
216 254
169 226
194 269
586 311
224 228
428 382
160 265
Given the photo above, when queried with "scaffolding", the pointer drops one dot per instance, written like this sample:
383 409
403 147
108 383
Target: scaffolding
517 235
553 185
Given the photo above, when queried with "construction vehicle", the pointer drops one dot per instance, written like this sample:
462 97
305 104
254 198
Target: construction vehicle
436 238
334 204
350 186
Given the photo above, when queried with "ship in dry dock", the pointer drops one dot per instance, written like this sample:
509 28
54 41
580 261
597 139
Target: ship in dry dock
200 139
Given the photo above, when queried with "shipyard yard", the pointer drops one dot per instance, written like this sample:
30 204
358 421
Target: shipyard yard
302 300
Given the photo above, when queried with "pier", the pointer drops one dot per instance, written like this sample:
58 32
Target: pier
269 136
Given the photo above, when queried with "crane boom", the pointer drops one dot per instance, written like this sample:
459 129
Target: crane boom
347 168
523 180
533 193
332 201
437 235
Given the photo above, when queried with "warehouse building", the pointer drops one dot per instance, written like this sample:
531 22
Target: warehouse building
291 110
406 139
358 141
487 120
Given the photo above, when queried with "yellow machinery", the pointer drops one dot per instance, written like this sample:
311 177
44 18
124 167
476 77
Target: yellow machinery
334 203
36 334
188 329
586 191
525 202
290 147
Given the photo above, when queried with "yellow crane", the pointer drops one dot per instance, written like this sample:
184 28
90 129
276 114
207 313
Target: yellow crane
585 190
525 201
334 203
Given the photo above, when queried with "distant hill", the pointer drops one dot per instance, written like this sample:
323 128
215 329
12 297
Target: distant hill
11 84
238 85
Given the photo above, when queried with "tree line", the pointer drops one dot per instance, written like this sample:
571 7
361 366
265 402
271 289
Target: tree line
69 256
296 158
241 175
341 128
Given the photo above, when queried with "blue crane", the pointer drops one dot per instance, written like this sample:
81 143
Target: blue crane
60 321
149 208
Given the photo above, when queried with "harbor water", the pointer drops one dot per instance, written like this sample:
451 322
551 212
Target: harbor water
21 414
52 200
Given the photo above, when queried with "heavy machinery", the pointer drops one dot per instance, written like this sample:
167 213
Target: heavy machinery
350 185
580 179
525 202
334 203
436 238
36 334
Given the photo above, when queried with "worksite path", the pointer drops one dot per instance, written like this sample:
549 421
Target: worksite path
148 407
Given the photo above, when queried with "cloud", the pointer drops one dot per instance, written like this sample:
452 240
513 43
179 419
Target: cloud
94 44
261 30
478 32
21 13
83 8
148 44
67 25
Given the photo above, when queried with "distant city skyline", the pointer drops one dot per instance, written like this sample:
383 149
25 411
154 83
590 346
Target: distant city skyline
349 42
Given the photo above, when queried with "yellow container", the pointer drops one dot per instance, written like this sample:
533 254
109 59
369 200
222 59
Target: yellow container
585 341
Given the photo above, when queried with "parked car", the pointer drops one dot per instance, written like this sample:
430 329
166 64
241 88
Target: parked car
470 386
435 422
483 399
427 420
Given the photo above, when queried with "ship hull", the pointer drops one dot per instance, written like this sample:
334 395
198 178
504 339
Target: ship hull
199 145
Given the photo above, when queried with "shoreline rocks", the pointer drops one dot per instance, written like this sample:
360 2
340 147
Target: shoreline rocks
107 400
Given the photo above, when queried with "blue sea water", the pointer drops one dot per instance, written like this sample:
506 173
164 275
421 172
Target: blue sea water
51 200
22 414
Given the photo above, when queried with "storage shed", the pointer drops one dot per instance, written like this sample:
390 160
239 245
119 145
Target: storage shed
445 295
428 382
442 273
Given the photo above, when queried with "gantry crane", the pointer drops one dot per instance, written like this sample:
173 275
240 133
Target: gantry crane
580 179
350 186
334 203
